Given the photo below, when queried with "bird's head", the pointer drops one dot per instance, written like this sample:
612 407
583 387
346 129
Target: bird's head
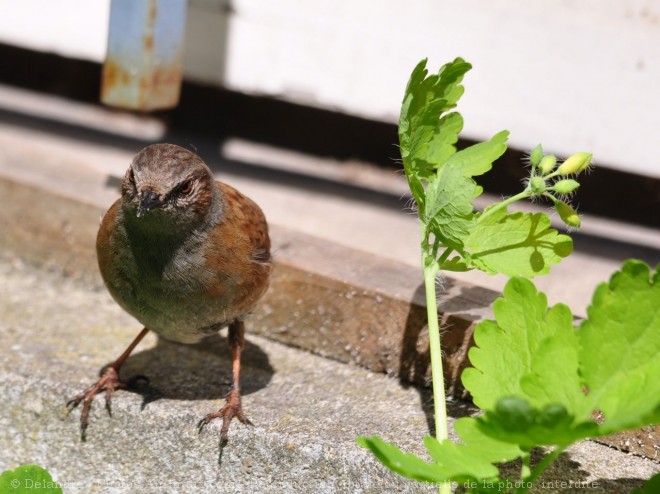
169 186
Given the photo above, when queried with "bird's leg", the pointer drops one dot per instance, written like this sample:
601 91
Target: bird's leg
109 381
232 406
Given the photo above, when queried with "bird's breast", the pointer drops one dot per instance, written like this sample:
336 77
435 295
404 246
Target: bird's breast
180 290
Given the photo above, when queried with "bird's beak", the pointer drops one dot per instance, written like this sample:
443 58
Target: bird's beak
148 201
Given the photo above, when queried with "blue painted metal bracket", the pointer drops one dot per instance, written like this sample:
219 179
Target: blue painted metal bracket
144 63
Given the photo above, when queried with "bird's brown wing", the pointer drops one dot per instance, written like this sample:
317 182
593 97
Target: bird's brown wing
240 250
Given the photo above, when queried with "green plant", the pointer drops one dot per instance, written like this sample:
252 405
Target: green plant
27 479
541 362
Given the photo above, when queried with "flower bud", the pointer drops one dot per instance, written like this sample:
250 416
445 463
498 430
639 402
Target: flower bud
565 186
536 156
537 184
575 163
548 163
567 214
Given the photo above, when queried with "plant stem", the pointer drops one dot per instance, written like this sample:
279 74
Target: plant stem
444 256
522 195
431 269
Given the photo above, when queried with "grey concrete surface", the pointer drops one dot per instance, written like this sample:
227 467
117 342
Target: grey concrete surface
57 334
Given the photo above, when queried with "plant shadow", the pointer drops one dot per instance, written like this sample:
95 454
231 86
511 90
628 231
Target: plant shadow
463 305
566 474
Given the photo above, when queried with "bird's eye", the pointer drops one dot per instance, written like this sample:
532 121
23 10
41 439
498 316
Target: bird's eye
186 187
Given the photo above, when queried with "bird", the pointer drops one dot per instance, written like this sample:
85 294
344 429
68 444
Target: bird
186 256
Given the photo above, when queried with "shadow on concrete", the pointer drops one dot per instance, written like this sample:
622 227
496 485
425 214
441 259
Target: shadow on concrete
415 358
564 475
202 371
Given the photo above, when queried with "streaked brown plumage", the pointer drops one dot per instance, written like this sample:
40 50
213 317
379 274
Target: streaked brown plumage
186 256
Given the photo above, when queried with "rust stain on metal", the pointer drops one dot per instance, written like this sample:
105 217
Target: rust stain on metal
149 42
144 68
114 74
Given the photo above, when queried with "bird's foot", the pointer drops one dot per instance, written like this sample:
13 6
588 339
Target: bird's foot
231 409
108 382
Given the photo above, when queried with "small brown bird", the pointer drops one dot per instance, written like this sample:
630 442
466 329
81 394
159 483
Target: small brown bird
186 256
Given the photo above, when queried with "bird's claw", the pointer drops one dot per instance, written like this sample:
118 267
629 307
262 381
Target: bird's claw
232 408
108 382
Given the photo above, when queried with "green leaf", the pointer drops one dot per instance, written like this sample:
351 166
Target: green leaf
448 208
486 447
452 462
518 244
28 479
424 137
402 463
514 420
512 356
459 462
442 145
651 486
456 264
530 365
553 375
478 158
620 348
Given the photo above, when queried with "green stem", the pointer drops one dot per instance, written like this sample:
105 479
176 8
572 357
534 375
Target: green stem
444 256
431 269
552 175
522 195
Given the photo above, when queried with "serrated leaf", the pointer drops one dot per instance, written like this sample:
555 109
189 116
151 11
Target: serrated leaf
474 459
442 145
620 348
459 462
402 463
518 244
448 208
514 420
478 158
456 264
418 193
509 356
425 137
28 479
553 375
488 448
536 358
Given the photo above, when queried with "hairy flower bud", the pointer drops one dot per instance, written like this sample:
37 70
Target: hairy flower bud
548 163
537 184
536 156
575 163
565 186
567 214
